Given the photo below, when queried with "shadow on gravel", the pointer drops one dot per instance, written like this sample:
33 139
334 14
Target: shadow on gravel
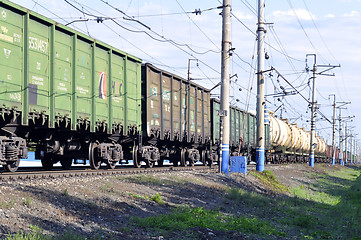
95 218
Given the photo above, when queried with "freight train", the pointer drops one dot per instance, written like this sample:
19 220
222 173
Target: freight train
67 96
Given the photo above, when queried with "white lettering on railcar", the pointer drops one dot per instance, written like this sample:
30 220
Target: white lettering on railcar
15 96
38 66
62 87
82 90
3 14
17 38
4 29
37 80
6 38
7 53
82 76
38 45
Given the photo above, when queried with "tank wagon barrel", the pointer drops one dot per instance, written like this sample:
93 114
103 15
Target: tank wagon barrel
292 144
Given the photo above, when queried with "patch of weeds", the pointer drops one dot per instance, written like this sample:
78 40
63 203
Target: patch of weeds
107 187
65 192
124 229
307 194
251 199
268 178
187 218
147 179
8 204
321 235
304 221
68 235
28 201
137 196
157 198
35 234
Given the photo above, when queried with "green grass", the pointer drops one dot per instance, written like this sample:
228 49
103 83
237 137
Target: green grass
146 179
28 201
185 218
335 200
327 208
36 233
155 197
107 187
8 204
269 179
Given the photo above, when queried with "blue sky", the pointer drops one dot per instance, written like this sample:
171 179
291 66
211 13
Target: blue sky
331 29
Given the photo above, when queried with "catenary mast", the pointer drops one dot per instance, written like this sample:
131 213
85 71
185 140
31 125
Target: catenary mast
260 156
225 72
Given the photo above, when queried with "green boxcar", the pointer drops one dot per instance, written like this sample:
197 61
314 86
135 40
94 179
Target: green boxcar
52 70
56 77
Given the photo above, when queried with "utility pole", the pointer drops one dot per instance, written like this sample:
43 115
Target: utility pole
351 150
314 103
225 72
346 135
340 134
313 111
340 107
260 88
333 129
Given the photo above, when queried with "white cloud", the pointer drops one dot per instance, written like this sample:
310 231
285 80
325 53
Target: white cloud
302 14
241 15
330 15
352 14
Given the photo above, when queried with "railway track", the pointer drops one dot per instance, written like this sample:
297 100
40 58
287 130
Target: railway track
28 173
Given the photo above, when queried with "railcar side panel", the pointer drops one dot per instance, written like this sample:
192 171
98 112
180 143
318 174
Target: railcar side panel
216 121
206 106
166 82
132 93
11 59
192 118
83 79
117 89
176 108
152 98
199 115
63 73
232 134
252 129
101 91
39 66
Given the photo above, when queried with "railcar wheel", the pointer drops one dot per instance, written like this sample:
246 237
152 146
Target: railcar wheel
160 162
183 157
175 162
47 163
191 160
111 164
137 163
204 157
66 163
12 166
149 163
94 161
